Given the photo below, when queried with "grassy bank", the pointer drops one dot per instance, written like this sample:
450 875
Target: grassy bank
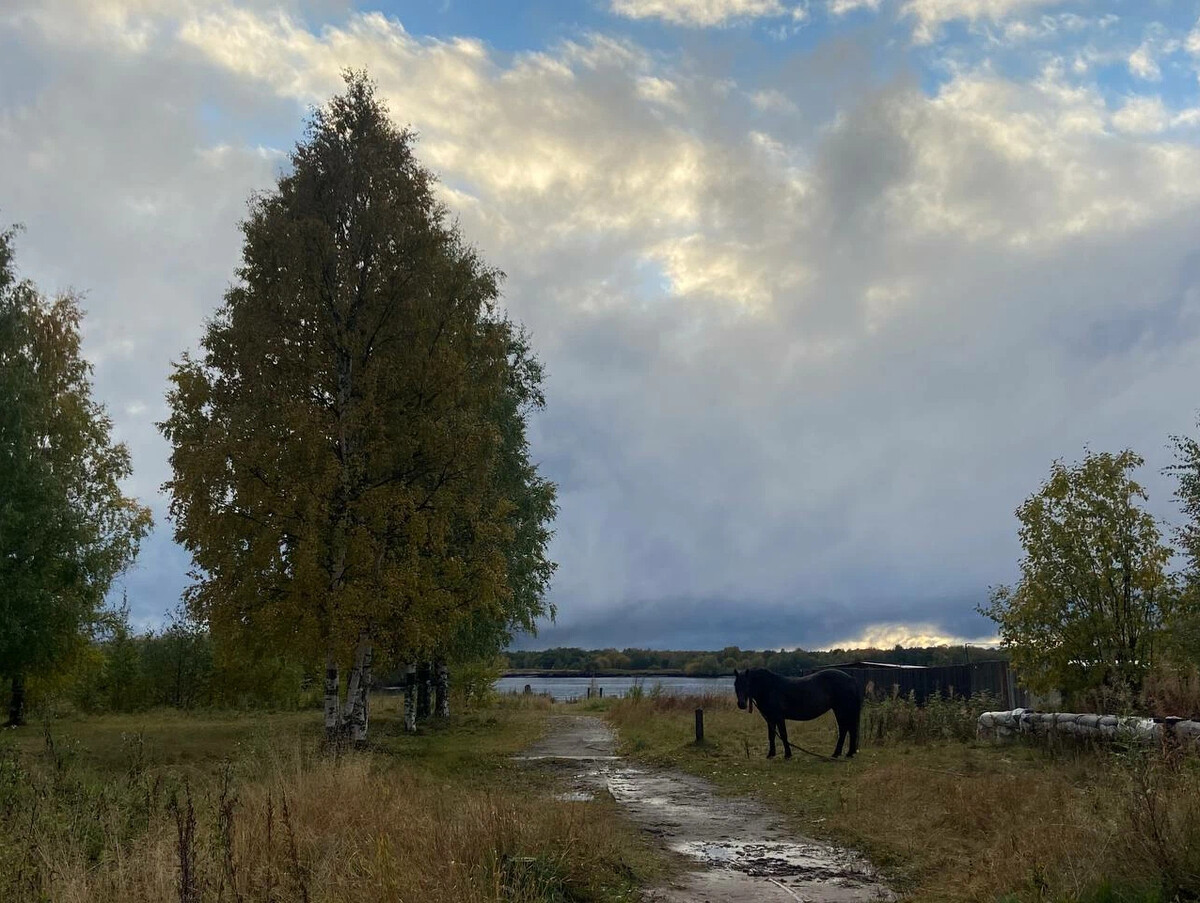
171 807
949 819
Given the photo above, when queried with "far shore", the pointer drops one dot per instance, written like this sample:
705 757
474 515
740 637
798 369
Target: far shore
607 672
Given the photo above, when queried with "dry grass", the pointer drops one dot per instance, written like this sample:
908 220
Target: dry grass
444 816
956 821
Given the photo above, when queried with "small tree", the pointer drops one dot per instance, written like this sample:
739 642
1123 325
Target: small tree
1183 630
66 529
1094 591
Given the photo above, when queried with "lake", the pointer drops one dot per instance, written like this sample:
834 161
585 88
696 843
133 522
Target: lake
576 687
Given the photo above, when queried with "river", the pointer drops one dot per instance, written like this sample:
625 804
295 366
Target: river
576 687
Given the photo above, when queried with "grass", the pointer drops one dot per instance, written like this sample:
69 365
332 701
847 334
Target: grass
164 806
953 820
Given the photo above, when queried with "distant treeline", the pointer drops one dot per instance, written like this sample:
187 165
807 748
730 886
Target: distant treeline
707 663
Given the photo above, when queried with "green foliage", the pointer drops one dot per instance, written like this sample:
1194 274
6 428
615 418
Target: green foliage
177 667
66 529
1094 593
348 448
706 664
942 718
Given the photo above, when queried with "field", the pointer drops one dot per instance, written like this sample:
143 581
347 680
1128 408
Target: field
945 817
164 806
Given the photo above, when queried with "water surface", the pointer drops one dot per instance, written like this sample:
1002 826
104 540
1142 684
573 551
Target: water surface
562 688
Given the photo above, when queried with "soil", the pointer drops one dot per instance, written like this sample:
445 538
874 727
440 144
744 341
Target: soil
739 851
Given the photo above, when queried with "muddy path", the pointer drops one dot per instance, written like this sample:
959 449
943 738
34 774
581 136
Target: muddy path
741 851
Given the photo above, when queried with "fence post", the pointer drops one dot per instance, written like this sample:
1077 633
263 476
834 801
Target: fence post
699 725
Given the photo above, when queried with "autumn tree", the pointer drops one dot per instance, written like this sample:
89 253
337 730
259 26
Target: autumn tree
66 528
1094 590
529 507
336 442
1184 627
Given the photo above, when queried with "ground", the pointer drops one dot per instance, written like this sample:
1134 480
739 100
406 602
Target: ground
167 806
737 850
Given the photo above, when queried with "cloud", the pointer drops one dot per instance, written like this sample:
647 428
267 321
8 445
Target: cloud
1143 64
1141 116
931 15
888 636
703 12
842 7
804 357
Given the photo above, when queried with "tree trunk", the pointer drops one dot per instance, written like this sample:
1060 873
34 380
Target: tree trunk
355 715
410 699
332 721
442 704
16 706
423 691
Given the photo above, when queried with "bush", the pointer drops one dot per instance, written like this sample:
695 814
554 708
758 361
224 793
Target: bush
941 718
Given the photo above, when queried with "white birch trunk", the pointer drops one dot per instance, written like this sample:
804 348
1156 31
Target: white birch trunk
410 699
443 691
354 716
332 719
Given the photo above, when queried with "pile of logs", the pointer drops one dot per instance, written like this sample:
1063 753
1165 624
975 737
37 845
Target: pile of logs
1022 722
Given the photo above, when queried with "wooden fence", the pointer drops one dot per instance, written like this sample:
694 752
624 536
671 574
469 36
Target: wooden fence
995 677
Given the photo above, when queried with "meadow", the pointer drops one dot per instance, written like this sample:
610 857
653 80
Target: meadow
170 806
945 817
167 806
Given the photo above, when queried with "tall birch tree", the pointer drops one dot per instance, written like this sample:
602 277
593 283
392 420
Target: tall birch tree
335 440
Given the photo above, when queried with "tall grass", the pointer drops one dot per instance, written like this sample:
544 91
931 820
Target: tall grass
283 821
950 818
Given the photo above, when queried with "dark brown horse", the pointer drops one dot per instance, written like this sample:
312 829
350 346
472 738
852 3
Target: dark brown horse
801 699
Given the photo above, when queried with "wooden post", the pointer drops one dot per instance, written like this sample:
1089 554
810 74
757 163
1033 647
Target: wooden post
602 692
699 725
589 692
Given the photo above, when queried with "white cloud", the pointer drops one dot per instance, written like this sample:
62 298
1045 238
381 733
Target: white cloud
1143 64
700 12
841 7
1142 115
931 15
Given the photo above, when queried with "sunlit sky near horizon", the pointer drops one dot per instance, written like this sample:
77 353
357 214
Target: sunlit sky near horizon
822 287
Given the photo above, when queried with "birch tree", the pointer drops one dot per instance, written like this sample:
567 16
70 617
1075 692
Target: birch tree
66 528
335 440
1094 591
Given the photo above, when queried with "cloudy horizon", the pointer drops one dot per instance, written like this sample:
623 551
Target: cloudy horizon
822 288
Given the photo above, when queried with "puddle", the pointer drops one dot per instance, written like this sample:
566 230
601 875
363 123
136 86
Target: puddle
744 853
575 796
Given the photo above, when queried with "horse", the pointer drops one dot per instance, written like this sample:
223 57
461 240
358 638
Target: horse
801 699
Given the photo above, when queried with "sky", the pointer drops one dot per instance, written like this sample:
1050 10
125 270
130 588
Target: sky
822 288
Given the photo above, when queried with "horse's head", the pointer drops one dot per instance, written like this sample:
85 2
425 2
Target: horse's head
741 686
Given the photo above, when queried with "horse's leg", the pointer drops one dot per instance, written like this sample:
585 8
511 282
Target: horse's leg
787 747
842 731
770 739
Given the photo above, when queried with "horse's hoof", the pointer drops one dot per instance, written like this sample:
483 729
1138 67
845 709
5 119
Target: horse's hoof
787 755
770 755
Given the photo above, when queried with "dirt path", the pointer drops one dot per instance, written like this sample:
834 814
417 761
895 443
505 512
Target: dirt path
743 852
